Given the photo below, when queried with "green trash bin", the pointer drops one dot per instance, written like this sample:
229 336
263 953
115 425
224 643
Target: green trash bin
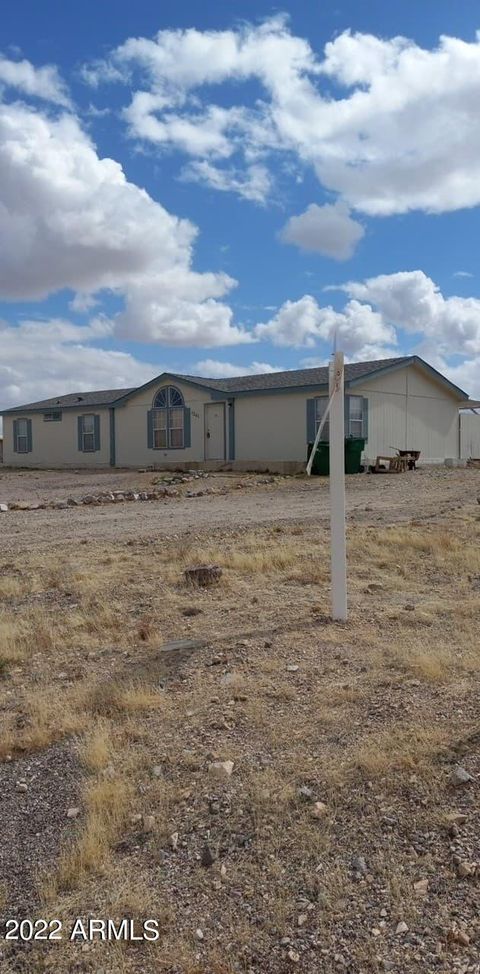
321 460
353 454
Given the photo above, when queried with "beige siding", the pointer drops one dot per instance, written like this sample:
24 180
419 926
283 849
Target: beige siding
407 410
131 429
56 444
470 435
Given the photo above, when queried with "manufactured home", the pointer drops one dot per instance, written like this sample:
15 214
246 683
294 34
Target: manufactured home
247 422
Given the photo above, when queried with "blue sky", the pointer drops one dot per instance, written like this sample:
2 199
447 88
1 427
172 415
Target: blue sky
218 188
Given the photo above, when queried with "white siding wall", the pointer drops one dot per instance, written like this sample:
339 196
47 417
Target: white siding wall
131 429
407 410
56 444
470 435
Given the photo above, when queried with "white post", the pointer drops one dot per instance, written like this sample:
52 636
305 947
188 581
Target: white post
337 490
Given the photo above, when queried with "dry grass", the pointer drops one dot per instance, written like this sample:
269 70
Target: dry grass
373 706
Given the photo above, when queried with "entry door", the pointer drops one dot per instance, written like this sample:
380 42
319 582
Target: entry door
215 431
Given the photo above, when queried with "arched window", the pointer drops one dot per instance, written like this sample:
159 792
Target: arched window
168 419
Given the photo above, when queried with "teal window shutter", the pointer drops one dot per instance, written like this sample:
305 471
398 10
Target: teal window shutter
15 434
96 430
187 431
150 429
310 420
29 435
365 418
79 432
347 416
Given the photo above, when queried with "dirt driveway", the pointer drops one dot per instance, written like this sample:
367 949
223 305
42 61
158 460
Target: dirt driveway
243 501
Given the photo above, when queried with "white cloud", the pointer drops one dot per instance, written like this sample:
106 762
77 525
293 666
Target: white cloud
73 220
362 332
402 134
328 230
44 82
42 358
462 274
253 183
412 301
213 369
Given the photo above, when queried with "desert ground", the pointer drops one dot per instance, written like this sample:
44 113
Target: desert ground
279 792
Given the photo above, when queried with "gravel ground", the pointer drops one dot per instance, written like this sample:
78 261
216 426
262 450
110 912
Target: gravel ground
247 502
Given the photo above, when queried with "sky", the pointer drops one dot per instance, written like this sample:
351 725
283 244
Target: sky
221 188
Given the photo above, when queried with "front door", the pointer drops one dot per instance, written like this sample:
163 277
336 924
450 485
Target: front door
215 431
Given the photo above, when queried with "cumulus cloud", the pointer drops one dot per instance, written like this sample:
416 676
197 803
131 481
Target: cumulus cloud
73 220
42 358
213 369
362 332
252 184
410 300
44 82
328 230
400 131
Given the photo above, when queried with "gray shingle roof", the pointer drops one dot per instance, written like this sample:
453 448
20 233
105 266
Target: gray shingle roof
292 378
105 397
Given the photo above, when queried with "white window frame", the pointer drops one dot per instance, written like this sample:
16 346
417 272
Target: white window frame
21 436
88 433
168 422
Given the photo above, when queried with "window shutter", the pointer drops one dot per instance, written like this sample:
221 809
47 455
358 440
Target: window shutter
365 418
15 428
96 430
29 435
150 429
310 420
79 432
347 416
187 431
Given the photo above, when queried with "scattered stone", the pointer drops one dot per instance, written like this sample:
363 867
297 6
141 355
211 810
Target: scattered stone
401 927
319 810
207 857
358 862
21 786
376 587
3 508
73 812
421 886
409 607
465 869
460 776
221 769
136 819
191 610
302 919
292 668
148 823
203 575
174 841
157 771
199 934
294 956
458 936
305 792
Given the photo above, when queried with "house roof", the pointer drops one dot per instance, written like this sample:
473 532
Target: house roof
242 384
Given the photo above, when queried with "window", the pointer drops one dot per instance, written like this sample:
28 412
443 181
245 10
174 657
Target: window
320 407
21 436
168 420
88 433
53 417
356 423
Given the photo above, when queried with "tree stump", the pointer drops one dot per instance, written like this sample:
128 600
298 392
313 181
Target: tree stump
203 575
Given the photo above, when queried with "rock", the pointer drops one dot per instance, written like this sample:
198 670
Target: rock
376 587
358 863
460 777
136 819
458 936
148 823
203 575
292 668
73 812
207 857
305 792
21 786
409 607
401 927
3 508
302 919
174 841
319 810
421 886
221 769
294 956
465 869
157 771
191 610
199 934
